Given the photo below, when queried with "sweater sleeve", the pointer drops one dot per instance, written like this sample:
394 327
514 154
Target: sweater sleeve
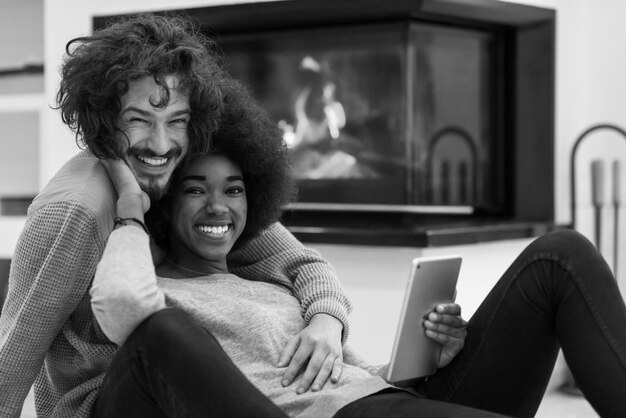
125 290
276 255
51 270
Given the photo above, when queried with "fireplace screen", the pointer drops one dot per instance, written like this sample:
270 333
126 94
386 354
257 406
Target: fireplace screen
393 115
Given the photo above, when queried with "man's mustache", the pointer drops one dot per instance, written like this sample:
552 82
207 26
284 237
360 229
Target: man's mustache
147 152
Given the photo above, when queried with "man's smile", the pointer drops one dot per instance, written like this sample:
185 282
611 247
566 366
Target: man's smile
153 161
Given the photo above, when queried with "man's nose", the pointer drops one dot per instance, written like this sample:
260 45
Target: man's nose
160 142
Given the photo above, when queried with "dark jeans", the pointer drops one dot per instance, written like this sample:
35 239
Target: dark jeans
559 292
172 367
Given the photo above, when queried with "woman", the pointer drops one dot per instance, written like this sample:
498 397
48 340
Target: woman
252 320
226 333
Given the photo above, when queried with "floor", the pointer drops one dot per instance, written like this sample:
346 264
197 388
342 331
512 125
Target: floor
559 405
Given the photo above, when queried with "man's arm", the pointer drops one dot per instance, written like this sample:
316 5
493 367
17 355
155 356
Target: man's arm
277 256
52 267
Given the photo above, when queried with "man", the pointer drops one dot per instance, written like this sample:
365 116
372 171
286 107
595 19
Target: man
147 90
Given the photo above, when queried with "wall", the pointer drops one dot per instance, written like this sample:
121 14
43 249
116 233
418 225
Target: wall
375 279
21 42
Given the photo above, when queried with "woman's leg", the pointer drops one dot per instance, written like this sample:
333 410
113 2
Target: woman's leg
172 367
397 404
558 291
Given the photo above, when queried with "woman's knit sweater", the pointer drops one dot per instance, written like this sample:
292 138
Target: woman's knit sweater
252 320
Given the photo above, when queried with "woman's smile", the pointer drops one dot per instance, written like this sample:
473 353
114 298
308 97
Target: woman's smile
215 231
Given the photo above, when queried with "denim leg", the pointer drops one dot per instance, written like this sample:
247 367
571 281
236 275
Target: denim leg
558 292
172 367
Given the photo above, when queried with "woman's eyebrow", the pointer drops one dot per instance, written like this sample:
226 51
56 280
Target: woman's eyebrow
199 177
196 177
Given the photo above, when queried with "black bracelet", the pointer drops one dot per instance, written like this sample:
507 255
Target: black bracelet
122 221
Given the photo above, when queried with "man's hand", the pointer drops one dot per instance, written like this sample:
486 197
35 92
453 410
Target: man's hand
320 345
131 199
446 326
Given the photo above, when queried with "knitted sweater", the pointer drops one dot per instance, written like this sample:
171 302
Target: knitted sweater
48 334
252 320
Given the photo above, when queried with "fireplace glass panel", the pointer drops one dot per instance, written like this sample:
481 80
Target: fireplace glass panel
394 114
453 118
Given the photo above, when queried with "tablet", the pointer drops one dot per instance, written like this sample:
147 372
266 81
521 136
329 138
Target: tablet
432 281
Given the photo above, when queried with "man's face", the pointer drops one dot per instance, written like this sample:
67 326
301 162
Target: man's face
157 136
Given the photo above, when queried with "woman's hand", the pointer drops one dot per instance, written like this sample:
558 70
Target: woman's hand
132 201
320 345
446 326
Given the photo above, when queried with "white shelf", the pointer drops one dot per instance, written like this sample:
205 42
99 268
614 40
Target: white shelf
10 230
11 103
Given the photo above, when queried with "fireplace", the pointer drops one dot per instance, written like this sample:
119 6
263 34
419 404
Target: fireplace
402 116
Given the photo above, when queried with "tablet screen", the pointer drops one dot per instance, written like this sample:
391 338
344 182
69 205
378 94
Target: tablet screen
432 281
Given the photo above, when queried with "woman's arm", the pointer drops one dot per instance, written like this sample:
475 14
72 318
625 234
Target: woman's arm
124 290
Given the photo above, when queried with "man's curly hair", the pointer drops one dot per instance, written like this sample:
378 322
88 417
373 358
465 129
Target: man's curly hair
249 138
98 68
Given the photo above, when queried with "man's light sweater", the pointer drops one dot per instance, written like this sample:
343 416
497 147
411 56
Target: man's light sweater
48 334
252 320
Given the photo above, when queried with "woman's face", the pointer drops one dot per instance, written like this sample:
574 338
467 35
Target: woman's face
209 209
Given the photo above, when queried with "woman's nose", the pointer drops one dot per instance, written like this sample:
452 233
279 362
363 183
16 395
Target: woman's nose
216 206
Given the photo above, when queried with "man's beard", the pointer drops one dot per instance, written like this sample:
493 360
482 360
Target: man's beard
155 187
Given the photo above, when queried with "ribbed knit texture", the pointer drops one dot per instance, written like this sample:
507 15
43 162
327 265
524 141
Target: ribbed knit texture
279 257
47 329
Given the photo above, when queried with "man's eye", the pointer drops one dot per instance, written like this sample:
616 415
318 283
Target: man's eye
179 121
137 120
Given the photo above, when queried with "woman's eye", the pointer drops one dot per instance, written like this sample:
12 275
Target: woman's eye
137 120
179 122
235 190
192 191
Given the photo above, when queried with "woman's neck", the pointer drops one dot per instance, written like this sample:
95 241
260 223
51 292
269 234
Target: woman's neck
179 269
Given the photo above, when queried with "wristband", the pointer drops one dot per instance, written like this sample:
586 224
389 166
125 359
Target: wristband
122 221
